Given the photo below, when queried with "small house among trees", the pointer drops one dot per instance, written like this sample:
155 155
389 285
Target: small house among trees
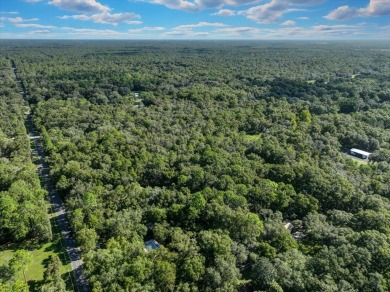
289 226
151 245
359 153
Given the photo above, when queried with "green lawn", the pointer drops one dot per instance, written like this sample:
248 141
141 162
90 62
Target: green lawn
40 254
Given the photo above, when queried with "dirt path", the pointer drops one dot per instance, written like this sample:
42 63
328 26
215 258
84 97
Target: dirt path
57 205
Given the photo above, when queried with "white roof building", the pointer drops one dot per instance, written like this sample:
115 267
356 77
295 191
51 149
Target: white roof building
288 226
361 152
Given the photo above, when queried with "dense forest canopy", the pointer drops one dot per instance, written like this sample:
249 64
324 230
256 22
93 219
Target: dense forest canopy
23 207
231 155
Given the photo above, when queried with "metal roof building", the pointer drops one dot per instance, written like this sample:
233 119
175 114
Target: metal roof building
360 153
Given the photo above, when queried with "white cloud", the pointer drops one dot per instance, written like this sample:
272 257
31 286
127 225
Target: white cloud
332 29
68 33
210 3
39 32
187 34
33 25
224 12
176 33
288 23
88 6
384 32
267 13
374 8
17 19
377 8
146 28
220 3
88 30
200 24
187 30
239 30
318 32
134 22
178 4
106 17
198 5
342 12
272 11
386 27
306 2
201 34
303 18
9 12
324 32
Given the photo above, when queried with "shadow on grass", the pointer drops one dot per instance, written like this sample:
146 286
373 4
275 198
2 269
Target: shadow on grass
5 273
57 245
46 262
30 245
35 285
69 280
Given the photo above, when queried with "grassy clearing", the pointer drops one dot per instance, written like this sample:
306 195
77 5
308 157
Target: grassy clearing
248 138
311 81
41 254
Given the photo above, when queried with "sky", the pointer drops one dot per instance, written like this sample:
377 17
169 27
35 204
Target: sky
195 19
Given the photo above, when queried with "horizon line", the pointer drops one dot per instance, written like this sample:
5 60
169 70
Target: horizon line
157 39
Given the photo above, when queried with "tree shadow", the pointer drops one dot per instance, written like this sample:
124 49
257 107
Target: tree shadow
8 245
60 250
69 281
45 262
5 273
29 245
35 285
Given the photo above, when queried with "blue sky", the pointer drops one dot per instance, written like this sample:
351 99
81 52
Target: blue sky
195 19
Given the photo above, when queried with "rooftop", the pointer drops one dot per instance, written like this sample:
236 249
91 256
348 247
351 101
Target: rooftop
358 151
151 245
